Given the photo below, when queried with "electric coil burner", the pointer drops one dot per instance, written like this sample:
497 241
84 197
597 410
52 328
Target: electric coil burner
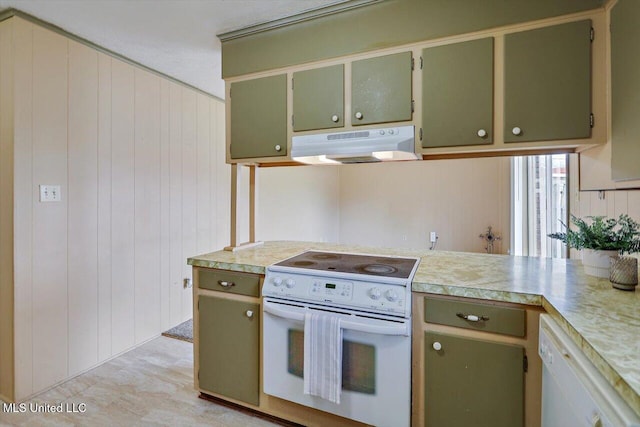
371 295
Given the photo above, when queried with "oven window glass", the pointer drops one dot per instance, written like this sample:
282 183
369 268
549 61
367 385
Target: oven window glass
358 363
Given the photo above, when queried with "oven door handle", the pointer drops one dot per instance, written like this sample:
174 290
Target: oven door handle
392 329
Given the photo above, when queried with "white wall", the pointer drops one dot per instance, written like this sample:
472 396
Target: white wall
387 205
140 163
298 203
398 204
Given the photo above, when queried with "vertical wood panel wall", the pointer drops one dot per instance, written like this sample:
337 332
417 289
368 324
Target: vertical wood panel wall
6 211
140 163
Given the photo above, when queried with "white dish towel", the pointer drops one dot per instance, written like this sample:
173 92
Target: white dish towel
323 356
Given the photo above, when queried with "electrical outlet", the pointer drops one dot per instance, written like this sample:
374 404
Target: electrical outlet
187 283
50 193
433 237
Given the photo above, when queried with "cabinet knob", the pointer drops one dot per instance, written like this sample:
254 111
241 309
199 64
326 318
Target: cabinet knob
359 115
335 118
437 346
278 147
249 313
225 284
482 133
516 131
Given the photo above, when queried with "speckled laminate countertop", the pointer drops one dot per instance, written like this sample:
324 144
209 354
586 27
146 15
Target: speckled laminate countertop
603 321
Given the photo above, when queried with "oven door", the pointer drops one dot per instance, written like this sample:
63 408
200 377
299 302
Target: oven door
376 362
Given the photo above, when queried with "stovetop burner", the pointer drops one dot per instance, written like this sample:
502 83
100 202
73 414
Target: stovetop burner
325 256
373 265
377 269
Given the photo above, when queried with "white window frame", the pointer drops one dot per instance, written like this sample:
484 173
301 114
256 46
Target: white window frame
527 216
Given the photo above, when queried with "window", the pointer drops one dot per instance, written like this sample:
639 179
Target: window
539 203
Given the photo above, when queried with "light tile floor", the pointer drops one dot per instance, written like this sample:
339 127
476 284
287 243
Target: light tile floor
151 385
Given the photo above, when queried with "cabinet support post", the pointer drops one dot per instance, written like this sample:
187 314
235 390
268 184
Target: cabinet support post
233 238
233 204
252 204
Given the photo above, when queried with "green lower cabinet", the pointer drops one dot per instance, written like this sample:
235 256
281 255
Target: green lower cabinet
470 382
457 94
381 89
259 117
229 348
547 86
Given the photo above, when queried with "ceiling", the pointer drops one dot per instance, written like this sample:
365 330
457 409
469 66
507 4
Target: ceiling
174 37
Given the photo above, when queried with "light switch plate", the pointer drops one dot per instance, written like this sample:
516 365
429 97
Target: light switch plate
50 193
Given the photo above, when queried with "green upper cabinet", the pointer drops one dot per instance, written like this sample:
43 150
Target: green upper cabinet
548 83
625 90
457 94
381 89
259 117
318 98
229 348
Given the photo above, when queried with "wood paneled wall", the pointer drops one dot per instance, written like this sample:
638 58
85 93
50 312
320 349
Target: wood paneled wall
140 162
6 212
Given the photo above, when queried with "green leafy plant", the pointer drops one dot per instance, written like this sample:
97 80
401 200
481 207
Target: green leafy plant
607 234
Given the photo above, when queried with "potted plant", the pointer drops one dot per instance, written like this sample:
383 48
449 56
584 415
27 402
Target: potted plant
602 238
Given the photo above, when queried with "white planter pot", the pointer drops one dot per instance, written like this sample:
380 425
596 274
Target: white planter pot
597 263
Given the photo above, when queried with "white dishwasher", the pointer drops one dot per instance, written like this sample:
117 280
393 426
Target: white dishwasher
574 393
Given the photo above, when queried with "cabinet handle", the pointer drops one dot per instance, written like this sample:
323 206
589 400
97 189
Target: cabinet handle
472 317
335 118
482 133
249 313
359 115
516 131
278 147
225 284
437 346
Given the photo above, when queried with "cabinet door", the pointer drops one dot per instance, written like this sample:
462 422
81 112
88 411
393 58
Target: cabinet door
470 382
548 83
625 90
318 98
381 89
229 348
457 94
259 117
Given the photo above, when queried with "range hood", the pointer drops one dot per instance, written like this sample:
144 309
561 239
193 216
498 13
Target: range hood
357 146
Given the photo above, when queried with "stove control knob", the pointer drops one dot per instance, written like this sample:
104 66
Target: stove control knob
391 295
375 293
289 283
276 281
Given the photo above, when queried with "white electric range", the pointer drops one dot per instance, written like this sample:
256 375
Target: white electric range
371 295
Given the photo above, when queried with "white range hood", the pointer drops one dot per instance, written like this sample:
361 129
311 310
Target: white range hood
357 146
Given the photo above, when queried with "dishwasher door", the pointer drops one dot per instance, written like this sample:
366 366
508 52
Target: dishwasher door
574 393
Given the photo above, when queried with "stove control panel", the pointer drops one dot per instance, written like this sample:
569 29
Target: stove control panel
379 297
335 289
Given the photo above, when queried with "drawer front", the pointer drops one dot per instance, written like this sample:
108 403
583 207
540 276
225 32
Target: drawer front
229 281
481 317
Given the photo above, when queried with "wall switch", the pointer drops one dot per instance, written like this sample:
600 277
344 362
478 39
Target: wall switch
433 237
50 193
